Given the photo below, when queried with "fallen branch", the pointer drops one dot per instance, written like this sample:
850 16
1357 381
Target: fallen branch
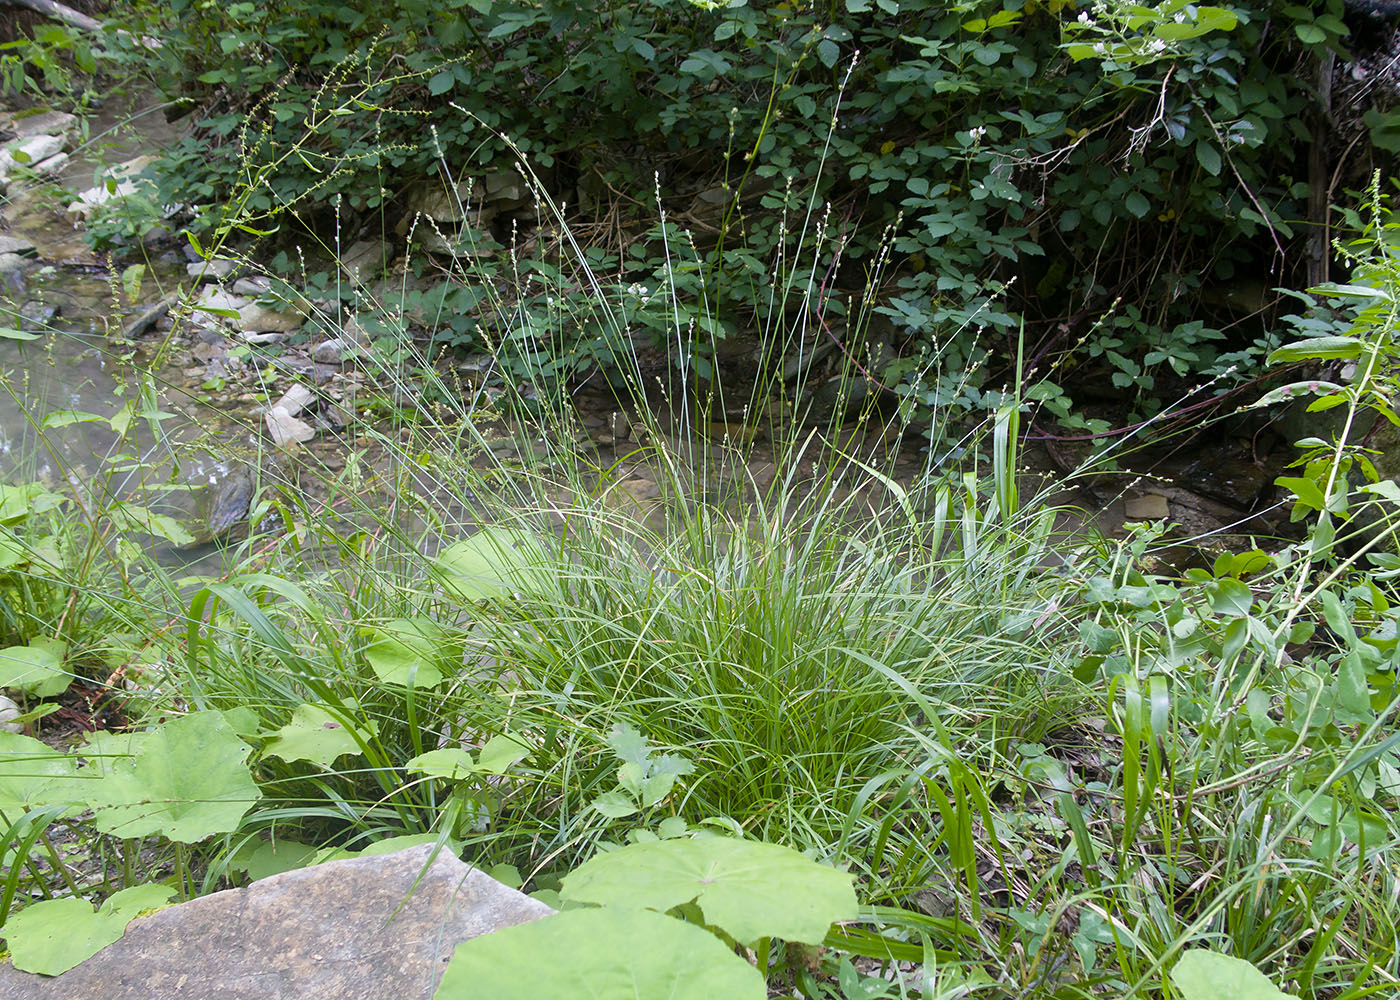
59 12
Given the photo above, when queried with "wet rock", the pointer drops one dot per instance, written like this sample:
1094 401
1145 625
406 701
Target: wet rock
761 476
368 927
229 502
216 269
37 316
16 246
206 351
11 274
30 151
1152 507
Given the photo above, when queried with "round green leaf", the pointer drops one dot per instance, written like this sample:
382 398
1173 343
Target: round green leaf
51 937
451 763
315 734
489 564
1202 974
36 668
33 774
750 890
602 955
186 780
410 651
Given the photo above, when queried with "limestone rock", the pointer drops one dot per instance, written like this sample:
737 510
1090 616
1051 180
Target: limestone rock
329 352
363 260
287 431
28 152
253 318
50 122
216 269
17 246
52 166
9 712
296 399
1152 507
254 286
335 931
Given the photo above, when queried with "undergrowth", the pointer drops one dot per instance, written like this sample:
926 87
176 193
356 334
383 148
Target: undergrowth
1050 770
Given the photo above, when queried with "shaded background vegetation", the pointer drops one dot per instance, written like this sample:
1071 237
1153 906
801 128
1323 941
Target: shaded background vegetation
1135 205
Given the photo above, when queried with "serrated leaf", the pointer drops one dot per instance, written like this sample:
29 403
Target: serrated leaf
600 954
318 735
749 890
441 82
614 805
1202 974
187 780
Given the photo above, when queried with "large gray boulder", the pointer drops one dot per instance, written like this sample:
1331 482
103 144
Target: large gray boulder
359 929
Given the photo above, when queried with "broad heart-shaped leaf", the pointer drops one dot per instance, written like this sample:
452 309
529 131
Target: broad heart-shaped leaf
491 563
316 735
748 890
500 754
1202 974
33 774
53 936
186 780
452 763
36 668
402 644
602 955
283 855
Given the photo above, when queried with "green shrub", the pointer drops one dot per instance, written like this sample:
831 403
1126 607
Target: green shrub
999 147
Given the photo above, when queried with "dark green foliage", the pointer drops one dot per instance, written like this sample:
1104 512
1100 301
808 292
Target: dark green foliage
1024 173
